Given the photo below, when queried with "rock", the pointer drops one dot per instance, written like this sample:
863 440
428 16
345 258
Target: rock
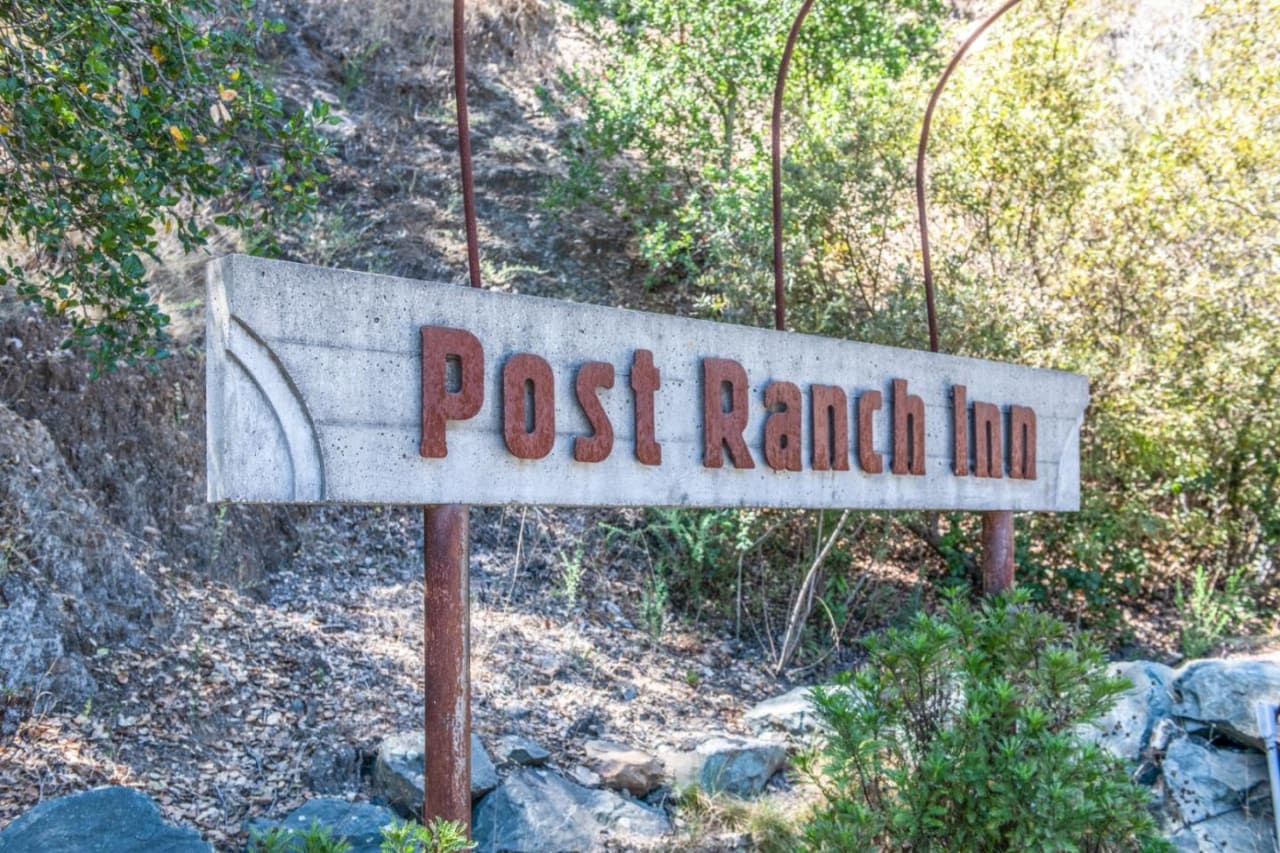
585 777
1126 729
539 811
397 772
359 824
735 765
334 769
104 820
1203 782
623 768
73 585
792 713
513 749
1217 697
1233 831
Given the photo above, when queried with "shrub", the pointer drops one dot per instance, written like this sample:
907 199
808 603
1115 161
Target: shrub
961 732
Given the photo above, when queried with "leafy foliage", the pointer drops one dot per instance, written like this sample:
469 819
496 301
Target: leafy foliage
119 122
1085 217
960 733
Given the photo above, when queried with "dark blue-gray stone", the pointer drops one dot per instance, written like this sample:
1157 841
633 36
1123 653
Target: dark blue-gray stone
103 820
539 811
360 824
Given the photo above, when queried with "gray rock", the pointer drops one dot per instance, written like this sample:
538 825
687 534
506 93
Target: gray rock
585 777
334 769
539 811
735 765
1126 729
1203 782
103 820
397 772
513 749
623 768
1236 832
359 824
1217 697
74 586
792 713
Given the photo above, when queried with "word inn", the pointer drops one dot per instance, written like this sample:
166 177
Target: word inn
985 442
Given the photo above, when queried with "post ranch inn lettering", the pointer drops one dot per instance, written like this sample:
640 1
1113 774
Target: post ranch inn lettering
453 389
328 386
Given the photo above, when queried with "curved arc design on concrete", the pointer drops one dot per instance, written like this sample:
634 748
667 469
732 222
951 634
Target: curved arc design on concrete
269 375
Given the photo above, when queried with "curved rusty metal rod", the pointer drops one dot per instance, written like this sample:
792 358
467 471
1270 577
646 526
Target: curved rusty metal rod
775 130
464 140
920 176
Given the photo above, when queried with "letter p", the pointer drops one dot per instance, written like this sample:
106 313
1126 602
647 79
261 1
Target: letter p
440 403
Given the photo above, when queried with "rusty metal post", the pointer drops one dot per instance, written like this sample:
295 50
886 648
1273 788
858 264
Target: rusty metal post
997 552
446 587
446 658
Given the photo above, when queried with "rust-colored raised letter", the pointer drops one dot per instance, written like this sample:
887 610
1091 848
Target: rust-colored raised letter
723 425
830 417
908 431
528 406
868 404
989 444
1022 443
645 381
782 428
959 430
592 376
440 345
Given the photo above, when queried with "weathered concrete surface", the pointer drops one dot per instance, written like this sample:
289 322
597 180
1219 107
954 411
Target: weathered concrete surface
104 820
315 395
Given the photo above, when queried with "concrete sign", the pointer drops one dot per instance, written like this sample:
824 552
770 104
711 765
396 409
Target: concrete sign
327 386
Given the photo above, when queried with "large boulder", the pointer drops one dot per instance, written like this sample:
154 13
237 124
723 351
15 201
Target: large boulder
358 824
1203 782
623 768
104 820
735 765
70 581
539 811
1216 698
1233 832
398 772
1126 729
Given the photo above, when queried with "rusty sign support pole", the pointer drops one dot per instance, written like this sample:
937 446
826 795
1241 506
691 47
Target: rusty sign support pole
446 581
446 661
997 527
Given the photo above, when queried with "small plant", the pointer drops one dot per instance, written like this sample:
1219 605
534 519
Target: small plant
438 836
770 829
571 576
1207 612
313 839
653 605
961 733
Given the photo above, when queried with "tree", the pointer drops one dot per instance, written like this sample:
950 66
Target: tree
123 121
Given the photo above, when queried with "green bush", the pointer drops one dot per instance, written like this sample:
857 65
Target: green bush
122 122
961 732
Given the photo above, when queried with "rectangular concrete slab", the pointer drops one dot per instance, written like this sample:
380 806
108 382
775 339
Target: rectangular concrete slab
315 396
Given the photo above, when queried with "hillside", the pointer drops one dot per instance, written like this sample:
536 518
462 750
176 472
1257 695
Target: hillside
233 662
